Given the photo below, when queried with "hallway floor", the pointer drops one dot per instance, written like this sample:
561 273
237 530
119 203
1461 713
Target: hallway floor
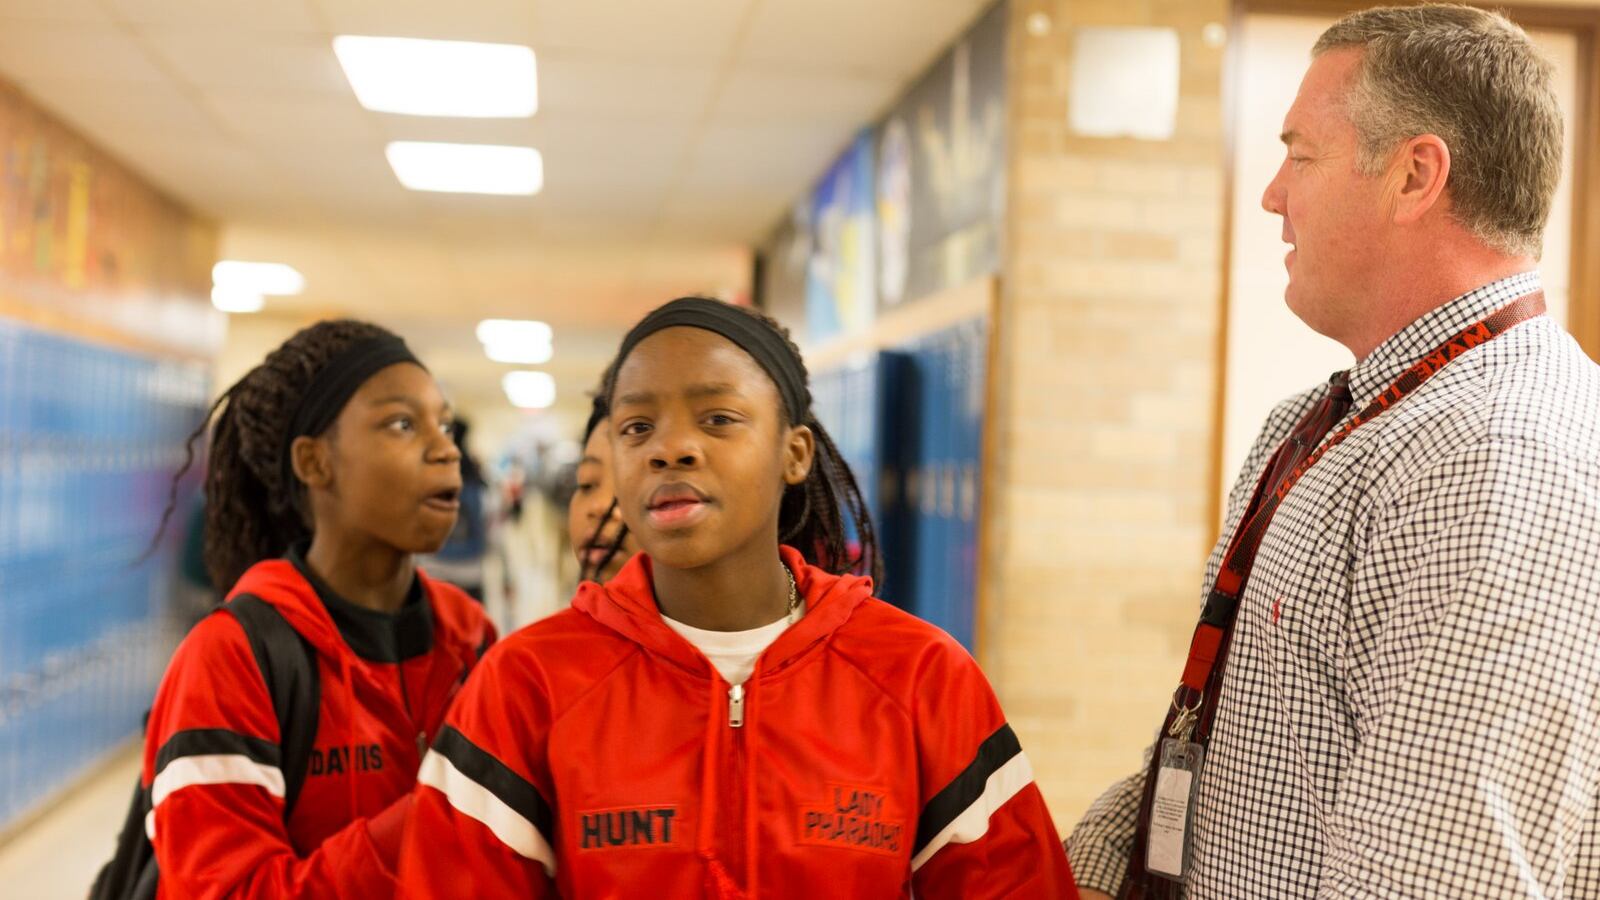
56 856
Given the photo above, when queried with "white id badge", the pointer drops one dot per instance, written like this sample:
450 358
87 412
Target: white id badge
1172 813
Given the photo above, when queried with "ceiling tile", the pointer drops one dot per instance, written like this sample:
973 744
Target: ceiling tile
486 210
598 228
275 15
617 172
264 200
676 260
890 37
212 59
733 217
101 110
428 265
733 140
753 93
75 11
332 275
39 51
507 258
290 115
682 30
612 137
495 21
567 142
515 132
640 205
611 157
203 173
570 85
781 155
350 168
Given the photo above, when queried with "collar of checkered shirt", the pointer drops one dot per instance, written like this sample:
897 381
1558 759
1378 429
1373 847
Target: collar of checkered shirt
1401 351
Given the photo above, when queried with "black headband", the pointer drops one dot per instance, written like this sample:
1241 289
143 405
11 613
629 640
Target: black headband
333 386
753 336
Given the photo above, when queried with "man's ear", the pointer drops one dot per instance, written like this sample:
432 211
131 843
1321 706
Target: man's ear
1418 176
312 459
799 452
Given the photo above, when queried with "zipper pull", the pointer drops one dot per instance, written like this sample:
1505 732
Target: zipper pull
736 706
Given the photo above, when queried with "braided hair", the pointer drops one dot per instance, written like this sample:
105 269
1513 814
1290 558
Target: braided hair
251 513
817 515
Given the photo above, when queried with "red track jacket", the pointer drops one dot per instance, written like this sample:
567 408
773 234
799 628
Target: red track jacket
211 749
597 754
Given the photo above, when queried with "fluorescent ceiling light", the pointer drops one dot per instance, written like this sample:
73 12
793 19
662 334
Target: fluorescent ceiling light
520 354
236 300
521 341
440 78
530 390
467 168
509 331
273 279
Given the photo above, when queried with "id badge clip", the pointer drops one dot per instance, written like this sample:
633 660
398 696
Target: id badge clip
1171 846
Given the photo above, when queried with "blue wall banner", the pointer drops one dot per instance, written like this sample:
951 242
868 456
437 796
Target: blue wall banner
941 160
841 297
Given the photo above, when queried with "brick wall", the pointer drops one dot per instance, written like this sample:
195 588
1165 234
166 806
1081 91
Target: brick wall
1105 399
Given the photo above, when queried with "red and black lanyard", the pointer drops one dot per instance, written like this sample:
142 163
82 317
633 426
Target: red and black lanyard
1194 703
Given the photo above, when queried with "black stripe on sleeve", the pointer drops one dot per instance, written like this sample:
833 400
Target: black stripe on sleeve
217 741
965 789
513 790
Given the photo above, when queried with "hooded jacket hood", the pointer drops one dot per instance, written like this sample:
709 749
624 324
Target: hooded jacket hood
627 605
300 597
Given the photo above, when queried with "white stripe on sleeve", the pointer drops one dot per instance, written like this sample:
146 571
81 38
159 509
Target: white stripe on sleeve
973 822
222 768
475 801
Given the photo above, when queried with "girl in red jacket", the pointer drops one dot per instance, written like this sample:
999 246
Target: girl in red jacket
331 464
731 716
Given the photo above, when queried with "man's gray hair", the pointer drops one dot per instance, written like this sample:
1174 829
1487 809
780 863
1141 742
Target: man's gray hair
1476 81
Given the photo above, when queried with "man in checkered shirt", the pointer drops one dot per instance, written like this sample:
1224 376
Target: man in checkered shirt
1411 704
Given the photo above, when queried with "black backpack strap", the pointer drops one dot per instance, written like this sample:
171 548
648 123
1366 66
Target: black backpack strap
289 667
131 872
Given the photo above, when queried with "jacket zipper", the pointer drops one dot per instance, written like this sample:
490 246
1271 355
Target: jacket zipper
734 800
411 717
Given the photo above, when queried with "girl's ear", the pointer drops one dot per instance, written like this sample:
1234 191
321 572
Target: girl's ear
799 451
312 461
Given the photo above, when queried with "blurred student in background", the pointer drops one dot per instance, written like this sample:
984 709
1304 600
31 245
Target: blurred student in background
600 539
461 560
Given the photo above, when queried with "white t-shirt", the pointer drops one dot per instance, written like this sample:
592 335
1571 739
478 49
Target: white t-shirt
733 653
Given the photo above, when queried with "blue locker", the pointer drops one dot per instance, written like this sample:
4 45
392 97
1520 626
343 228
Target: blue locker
89 437
933 408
